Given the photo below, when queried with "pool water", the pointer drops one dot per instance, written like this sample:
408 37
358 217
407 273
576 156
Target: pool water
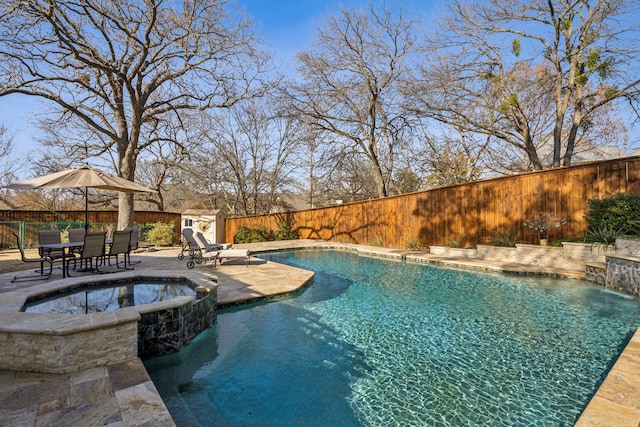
377 342
93 299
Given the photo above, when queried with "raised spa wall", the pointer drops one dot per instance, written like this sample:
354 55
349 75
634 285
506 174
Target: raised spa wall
167 330
64 343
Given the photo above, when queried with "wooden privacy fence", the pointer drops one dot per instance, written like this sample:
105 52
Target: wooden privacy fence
472 210
10 221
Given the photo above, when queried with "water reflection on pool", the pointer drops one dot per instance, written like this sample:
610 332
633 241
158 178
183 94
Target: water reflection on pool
91 299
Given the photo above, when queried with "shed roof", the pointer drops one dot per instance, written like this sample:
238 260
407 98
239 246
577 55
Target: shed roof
202 212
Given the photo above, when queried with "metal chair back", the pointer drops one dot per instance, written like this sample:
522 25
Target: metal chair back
93 245
77 234
47 237
43 275
134 237
121 243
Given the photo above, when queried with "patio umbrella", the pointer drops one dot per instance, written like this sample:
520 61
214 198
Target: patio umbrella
86 177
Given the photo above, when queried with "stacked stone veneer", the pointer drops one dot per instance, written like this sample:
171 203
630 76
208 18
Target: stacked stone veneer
623 274
99 342
167 330
596 273
621 269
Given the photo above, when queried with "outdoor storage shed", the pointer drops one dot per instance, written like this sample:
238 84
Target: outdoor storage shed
208 222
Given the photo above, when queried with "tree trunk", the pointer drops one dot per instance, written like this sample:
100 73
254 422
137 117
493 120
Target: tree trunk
379 181
125 210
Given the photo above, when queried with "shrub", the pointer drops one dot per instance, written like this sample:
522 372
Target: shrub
159 234
253 235
414 244
377 241
634 227
144 231
285 232
605 236
617 212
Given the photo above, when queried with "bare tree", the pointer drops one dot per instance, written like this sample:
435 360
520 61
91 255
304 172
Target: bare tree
250 151
117 69
532 74
450 157
317 157
8 166
351 80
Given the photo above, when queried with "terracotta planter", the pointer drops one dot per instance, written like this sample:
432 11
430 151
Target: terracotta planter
544 242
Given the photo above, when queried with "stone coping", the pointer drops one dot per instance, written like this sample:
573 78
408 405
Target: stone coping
624 257
120 394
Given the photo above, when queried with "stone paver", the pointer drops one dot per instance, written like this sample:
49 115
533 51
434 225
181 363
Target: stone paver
123 395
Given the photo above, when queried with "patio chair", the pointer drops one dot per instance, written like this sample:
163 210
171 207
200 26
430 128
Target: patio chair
47 237
94 248
121 245
41 260
206 246
133 244
76 234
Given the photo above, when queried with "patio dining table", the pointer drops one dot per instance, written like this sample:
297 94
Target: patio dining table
66 248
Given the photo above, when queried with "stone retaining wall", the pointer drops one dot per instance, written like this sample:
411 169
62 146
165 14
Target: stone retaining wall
570 256
627 246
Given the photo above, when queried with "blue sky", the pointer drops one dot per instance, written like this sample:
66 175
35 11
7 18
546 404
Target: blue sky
289 25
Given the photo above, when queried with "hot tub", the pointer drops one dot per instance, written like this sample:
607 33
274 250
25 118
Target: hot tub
63 343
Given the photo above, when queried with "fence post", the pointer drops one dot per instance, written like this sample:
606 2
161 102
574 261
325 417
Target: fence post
21 232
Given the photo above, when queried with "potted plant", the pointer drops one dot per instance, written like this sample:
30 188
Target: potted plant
543 223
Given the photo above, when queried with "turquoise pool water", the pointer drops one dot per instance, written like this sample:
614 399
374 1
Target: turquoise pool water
376 342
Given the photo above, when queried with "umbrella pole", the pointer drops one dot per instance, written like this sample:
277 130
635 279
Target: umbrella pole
86 209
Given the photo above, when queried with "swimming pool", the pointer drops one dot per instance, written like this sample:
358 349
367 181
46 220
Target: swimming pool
377 342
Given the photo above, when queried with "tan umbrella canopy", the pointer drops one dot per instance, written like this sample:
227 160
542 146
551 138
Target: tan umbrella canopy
84 176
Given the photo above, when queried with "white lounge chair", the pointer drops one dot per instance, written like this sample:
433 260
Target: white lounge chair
233 253
224 250
206 246
198 252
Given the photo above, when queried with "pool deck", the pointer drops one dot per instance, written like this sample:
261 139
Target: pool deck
123 394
